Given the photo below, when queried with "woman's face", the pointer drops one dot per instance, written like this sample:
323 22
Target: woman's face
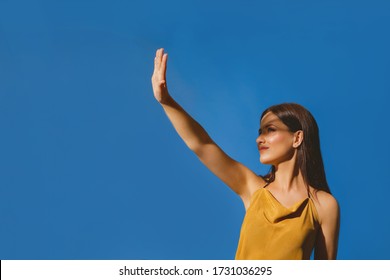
275 141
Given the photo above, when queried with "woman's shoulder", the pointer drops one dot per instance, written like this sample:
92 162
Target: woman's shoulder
256 182
325 203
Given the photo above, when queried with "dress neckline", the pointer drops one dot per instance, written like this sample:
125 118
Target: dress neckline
293 206
290 208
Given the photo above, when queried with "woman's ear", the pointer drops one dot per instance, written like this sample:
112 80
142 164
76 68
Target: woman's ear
298 138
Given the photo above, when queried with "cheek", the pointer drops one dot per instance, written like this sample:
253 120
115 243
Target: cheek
280 142
277 139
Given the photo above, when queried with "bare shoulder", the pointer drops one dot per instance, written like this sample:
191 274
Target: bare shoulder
326 205
254 183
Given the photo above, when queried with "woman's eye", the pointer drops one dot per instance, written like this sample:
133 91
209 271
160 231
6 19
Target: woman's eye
267 130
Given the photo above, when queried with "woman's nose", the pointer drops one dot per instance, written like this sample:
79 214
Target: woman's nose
259 139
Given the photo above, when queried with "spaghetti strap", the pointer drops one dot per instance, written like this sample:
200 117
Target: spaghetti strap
266 185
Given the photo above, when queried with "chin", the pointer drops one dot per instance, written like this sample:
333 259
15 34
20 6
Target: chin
265 161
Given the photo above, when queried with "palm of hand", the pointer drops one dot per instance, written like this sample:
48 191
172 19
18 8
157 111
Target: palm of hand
159 75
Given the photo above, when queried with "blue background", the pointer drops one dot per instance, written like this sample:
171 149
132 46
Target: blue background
91 168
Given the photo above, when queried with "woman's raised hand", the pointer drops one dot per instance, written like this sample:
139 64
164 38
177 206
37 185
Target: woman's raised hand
159 83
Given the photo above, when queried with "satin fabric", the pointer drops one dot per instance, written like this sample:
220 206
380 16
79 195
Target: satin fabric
271 231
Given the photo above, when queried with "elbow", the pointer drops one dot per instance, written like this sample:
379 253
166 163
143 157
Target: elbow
198 146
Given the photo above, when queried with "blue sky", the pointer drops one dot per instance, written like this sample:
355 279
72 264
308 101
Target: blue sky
91 168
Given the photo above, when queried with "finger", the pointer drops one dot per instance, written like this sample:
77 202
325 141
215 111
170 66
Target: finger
164 64
159 53
156 59
155 64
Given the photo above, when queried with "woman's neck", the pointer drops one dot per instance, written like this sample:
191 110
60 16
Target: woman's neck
288 177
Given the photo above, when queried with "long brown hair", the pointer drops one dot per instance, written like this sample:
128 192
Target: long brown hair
309 159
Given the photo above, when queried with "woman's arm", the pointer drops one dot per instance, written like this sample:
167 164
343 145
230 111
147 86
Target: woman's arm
328 235
234 174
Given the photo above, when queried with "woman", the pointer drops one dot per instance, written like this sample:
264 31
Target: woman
289 211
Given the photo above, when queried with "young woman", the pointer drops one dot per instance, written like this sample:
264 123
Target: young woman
289 211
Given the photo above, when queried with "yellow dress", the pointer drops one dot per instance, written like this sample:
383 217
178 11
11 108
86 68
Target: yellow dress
271 231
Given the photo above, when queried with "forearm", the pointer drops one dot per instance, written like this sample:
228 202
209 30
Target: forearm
192 133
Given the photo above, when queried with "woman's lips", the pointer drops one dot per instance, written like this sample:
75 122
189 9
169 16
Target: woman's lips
263 148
